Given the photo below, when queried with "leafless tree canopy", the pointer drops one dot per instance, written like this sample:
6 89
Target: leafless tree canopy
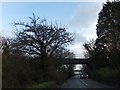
41 39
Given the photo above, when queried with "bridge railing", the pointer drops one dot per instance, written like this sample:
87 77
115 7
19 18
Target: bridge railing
75 61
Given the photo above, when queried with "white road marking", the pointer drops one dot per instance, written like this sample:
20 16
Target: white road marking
84 82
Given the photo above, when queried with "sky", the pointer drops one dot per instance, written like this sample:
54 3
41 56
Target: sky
79 18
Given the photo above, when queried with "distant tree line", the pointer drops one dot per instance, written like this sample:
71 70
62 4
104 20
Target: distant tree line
34 55
104 52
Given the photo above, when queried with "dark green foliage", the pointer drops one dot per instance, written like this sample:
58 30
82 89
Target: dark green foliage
22 71
19 71
105 52
49 84
108 32
106 48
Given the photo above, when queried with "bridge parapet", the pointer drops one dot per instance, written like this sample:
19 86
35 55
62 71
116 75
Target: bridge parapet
75 61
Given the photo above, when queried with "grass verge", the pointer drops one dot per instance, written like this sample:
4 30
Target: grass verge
48 84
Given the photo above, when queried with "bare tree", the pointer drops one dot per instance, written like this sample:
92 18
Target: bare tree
90 48
38 38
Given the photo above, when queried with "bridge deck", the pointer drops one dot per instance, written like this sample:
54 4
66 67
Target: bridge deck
75 61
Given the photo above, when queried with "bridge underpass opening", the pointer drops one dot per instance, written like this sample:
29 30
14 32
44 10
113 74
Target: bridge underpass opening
80 69
77 69
80 64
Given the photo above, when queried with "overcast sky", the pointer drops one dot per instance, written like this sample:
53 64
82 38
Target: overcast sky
78 18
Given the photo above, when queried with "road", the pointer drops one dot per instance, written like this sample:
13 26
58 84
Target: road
76 82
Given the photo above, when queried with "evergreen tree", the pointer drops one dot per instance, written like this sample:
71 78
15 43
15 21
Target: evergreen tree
108 32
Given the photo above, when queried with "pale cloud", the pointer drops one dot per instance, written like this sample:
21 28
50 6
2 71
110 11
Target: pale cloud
8 33
0 32
77 49
79 39
85 15
90 32
83 22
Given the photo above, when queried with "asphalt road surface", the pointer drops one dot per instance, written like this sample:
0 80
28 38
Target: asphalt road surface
76 82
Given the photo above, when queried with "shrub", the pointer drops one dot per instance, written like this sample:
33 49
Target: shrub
108 74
